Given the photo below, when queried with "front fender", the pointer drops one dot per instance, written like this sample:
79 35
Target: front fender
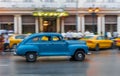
23 49
73 48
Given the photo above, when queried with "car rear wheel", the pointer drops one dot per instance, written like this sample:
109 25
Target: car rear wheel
97 48
79 56
14 46
31 57
112 46
119 48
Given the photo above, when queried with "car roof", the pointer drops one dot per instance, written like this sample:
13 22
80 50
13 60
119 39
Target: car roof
48 34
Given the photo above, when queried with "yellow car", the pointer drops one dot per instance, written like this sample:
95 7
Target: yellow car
117 42
97 42
16 39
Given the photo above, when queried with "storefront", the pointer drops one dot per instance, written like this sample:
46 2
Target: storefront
50 21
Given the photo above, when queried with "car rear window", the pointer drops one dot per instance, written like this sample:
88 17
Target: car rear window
88 37
20 37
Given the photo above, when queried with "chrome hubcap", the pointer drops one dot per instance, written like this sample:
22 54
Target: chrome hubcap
31 56
80 55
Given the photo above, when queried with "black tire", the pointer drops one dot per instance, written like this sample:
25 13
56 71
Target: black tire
119 48
97 48
112 46
14 46
79 56
31 57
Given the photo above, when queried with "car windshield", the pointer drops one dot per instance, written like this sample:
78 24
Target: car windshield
88 37
20 36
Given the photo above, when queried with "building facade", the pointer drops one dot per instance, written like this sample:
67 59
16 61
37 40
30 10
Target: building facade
18 15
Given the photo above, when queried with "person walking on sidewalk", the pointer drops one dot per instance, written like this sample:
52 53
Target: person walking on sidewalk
6 41
1 43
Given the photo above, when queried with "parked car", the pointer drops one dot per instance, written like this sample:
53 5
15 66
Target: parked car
16 39
51 44
117 42
97 42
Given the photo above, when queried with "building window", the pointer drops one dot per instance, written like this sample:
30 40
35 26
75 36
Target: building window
28 0
111 1
90 0
47 0
71 1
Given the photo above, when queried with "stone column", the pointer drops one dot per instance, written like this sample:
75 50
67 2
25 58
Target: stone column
78 23
36 25
58 25
99 24
103 24
41 24
82 23
18 24
118 24
62 26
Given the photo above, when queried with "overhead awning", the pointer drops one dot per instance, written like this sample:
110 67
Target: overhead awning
50 14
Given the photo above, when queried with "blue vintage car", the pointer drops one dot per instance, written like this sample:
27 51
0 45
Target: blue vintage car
51 44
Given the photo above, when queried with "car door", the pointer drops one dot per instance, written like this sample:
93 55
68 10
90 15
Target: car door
59 46
45 46
101 41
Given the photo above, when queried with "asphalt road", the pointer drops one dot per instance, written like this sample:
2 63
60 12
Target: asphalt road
102 63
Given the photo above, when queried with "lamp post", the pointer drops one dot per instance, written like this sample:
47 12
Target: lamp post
93 12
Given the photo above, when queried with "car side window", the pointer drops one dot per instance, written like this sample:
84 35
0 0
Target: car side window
103 37
44 38
99 38
35 39
55 38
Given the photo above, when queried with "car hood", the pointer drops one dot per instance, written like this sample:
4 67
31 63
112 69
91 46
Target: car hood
76 42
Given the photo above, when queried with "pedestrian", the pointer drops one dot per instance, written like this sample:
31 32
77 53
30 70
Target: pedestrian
109 35
115 34
1 43
74 35
87 33
6 41
69 35
79 35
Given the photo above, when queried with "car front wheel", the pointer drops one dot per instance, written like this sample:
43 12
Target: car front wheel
79 56
14 46
31 57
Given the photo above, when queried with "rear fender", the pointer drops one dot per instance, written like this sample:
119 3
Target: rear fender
22 50
74 48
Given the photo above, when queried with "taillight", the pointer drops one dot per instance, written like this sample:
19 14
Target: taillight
89 41
117 41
